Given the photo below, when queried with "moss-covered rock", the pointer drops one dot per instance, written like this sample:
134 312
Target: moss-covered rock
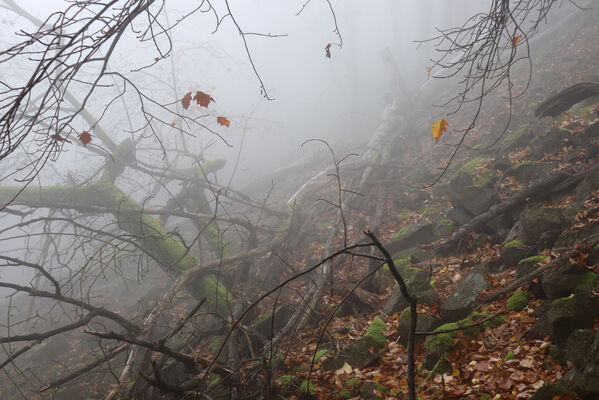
424 323
471 187
515 242
363 351
562 316
512 252
443 227
563 279
528 265
306 389
375 331
534 222
529 170
417 281
517 301
462 300
410 236
439 344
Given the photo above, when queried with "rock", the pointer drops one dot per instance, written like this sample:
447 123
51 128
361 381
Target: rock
528 265
518 301
410 236
547 392
586 143
561 280
437 345
579 345
267 327
569 239
425 323
429 297
547 239
515 140
562 317
459 215
589 183
415 279
593 257
372 391
501 162
535 221
528 170
512 252
442 228
548 143
471 187
463 298
363 351
475 200
585 381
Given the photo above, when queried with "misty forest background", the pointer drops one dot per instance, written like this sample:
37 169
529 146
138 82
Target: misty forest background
305 199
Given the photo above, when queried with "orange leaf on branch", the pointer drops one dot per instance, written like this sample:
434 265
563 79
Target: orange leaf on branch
202 98
438 128
85 137
223 121
516 40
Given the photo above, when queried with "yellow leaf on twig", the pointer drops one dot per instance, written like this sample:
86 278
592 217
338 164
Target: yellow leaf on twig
438 128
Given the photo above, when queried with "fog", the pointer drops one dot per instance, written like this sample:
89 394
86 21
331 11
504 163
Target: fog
338 99
148 210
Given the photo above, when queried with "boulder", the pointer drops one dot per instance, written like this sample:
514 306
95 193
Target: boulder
442 228
512 252
515 140
424 323
569 239
561 280
587 142
529 170
562 317
589 183
417 281
475 200
459 215
536 221
410 236
549 143
579 345
471 187
363 351
464 297
268 326
441 343
528 265
547 392
585 380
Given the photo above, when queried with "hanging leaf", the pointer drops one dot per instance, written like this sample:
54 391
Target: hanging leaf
186 100
223 121
428 72
327 50
202 98
85 138
516 40
438 128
